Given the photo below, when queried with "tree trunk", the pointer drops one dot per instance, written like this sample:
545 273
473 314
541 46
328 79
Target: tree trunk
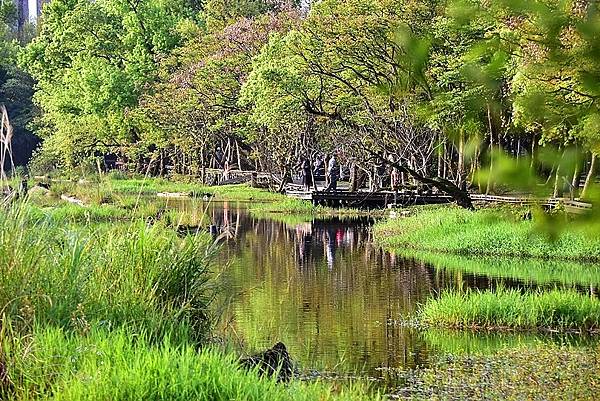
461 197
589 180
576 179
203 166
439 159
285 179
489 181
353 182
556 182
533 148
239 158
461 176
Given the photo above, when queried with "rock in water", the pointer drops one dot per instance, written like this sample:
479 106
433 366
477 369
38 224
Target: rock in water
274 361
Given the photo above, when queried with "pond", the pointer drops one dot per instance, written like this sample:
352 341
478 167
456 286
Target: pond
336 299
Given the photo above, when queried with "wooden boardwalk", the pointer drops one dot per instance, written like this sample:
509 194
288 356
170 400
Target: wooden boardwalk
381 199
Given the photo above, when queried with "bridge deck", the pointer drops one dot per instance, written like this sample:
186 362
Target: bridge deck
385 198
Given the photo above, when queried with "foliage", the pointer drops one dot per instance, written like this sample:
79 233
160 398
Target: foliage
194 107
438 90
92 61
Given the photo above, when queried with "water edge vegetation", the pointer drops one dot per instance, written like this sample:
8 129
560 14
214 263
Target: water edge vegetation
125 306
487 232
510 309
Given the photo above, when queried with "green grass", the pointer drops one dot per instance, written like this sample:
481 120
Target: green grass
504 309
537 372
528 270
487 232
121 275
153 186
120 365
116 311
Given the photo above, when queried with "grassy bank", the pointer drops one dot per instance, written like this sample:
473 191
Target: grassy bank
528 270
153 186
117 311
506 309
120 275
126 365
542 372
487 232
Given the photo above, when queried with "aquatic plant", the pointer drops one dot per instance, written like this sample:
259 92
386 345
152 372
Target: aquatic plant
121 275
532 372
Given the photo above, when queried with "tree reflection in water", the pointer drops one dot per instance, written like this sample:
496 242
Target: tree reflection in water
326 291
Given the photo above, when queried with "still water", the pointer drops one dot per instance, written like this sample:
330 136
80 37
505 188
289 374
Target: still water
333 297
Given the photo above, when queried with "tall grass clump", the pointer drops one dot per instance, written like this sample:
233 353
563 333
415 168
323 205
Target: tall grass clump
114 365
128 274
491 232
510 309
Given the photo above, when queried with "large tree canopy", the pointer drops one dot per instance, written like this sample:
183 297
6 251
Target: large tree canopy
92 61
440 90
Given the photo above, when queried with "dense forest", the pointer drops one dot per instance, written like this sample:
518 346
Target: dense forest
445 91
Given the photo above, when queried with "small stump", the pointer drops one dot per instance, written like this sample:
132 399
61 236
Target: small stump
272 362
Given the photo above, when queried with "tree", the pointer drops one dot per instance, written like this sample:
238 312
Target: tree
92 61
15 86
195 106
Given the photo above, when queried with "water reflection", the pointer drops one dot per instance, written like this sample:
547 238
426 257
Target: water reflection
331 296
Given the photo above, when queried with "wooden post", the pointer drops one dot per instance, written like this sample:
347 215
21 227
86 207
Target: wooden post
353 182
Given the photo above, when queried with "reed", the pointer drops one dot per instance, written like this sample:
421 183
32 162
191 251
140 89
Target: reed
122 275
